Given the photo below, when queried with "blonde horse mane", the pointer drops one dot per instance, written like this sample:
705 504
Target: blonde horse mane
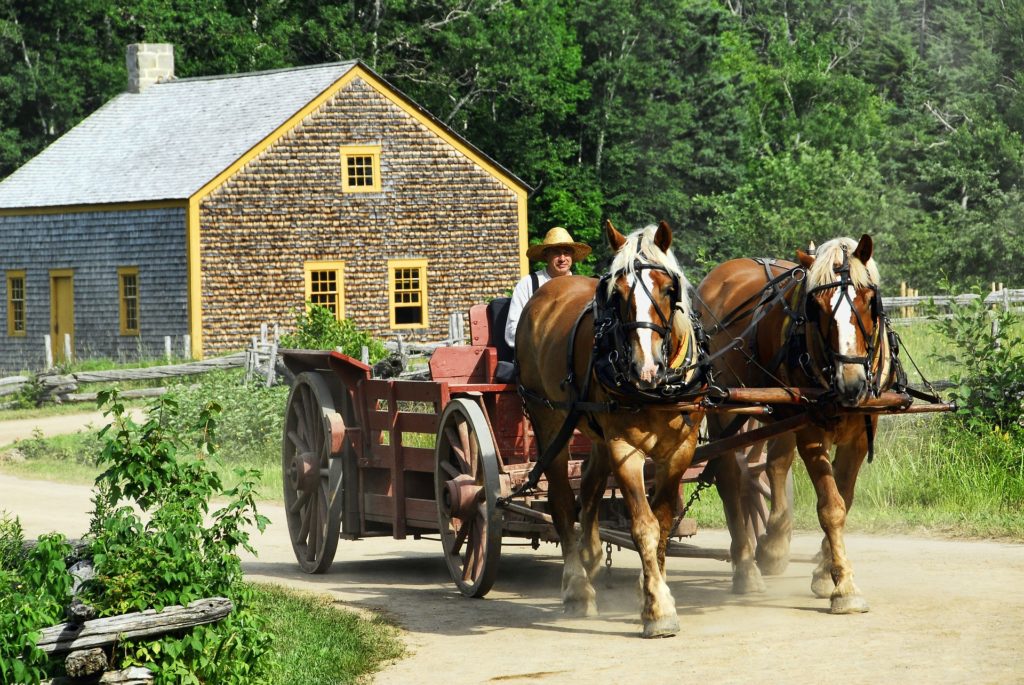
830 255
640 244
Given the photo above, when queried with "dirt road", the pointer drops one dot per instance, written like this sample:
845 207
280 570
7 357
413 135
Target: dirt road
941 611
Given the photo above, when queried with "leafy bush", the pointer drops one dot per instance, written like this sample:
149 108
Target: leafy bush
250 419
988 354
316 328
34 587
181 551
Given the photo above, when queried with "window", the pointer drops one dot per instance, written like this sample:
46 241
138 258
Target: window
360 169
128 288
325 286
407 289
16 303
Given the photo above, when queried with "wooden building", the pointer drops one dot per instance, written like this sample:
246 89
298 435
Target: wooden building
205 207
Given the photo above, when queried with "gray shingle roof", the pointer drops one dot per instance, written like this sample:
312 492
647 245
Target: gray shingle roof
166 142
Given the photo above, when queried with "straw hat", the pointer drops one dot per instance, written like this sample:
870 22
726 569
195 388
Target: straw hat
557 237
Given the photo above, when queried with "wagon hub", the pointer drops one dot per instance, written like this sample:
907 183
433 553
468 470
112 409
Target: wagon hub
306 471
462 496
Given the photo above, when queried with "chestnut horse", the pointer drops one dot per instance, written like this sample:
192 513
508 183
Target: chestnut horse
818 323
640 313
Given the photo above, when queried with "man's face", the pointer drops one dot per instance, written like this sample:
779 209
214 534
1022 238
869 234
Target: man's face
559 260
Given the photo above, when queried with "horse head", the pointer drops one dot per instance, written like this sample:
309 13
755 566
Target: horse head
843 306
651 300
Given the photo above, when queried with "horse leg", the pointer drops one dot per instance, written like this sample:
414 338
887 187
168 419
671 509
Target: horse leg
592 489
665 498
814 445
658 613
773 546
746 577
577 592
846 466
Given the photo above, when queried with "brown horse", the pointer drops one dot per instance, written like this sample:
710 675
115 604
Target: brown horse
818 323
641 317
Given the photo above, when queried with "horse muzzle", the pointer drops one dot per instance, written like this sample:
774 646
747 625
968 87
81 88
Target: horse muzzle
851 381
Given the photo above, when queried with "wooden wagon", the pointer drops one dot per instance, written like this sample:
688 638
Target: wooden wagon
368 457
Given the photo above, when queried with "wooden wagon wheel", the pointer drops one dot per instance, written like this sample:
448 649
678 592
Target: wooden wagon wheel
466 486
758 494
312 480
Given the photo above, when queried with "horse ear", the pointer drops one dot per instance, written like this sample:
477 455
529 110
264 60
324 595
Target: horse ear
864 249
805 259
663 237
615 239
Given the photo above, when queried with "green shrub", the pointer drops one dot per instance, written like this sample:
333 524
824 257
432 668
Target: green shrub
988 358
34 587
316 328
250 419
176 550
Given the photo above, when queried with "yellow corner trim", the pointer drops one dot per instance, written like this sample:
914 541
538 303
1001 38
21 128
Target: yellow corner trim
195 279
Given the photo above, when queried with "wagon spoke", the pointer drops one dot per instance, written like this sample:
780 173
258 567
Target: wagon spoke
479 535
460 536
458 448
299 503
298 442
300 407
472 551
462 425
304 514
449 469
314 529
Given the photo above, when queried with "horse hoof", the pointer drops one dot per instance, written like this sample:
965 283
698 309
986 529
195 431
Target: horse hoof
772 566
667 626
746 579
822 586
580 608
849 604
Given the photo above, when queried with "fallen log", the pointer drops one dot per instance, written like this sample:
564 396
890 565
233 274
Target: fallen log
136 675
65 637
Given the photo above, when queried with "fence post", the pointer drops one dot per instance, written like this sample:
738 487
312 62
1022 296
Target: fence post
263 334
67 347
272 364
48 345
167 348
364 355
186 346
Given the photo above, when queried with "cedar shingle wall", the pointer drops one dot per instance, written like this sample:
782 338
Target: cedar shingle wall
95 244
286 207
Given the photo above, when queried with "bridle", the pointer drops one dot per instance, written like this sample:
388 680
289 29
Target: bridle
614 350
873 342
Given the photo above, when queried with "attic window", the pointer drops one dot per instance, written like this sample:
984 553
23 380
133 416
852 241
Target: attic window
360 169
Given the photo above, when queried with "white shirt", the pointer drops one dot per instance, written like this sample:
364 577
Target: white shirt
522 293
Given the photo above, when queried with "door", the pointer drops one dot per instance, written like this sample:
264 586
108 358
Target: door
62 313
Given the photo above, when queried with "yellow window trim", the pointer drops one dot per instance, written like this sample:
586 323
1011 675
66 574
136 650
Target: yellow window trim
371 151
121 273
421 265
13 276
326 265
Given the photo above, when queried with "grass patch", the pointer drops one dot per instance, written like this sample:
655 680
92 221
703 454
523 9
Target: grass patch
921 481
315 642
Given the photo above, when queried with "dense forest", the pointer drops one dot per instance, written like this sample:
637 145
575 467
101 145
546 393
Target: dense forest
752 127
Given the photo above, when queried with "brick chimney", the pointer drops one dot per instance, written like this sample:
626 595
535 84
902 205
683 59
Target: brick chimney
149 63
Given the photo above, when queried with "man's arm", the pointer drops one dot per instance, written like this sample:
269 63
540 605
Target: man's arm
515 309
